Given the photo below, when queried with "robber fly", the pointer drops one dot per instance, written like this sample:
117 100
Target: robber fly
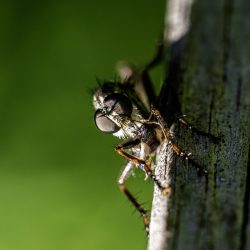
125 109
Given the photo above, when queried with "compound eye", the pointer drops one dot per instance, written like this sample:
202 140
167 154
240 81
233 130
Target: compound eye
104 124
119 103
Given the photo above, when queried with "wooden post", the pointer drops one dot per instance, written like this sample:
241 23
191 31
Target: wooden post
212 78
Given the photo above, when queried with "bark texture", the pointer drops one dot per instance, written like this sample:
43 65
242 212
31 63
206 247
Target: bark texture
209 68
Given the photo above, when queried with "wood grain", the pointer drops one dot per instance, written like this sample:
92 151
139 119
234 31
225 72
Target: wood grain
213 85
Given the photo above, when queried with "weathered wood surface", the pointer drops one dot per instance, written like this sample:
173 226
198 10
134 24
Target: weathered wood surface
214 91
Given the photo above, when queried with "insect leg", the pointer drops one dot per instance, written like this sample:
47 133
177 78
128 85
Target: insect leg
158 56
124 175
185 122
142 163
145 77
177 149
139 77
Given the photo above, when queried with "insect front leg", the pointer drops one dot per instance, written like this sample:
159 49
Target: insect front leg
145 165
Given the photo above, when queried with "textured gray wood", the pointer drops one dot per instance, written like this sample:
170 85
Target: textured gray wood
159 215
214 90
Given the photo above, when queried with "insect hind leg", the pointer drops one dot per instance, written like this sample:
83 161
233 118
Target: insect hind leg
139 207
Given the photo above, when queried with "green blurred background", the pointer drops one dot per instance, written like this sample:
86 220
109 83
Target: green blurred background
57 171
